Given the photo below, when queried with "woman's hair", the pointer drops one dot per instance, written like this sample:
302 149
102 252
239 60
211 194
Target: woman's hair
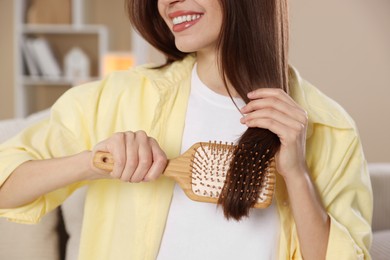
253 53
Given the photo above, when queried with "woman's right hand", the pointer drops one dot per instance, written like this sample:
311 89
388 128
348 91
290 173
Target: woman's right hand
137 157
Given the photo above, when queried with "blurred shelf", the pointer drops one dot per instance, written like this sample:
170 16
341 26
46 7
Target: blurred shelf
45 81
38 92
61 29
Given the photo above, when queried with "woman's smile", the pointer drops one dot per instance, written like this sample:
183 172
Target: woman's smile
182 20
195 24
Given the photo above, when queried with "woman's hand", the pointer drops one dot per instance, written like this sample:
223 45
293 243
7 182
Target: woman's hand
137 156
274 110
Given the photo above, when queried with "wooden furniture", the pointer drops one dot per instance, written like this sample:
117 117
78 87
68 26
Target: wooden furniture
36 93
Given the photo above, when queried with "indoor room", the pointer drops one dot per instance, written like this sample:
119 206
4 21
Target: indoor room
338 49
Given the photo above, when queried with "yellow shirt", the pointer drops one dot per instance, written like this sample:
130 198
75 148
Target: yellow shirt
126 221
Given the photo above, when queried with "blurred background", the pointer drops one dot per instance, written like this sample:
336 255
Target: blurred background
342 47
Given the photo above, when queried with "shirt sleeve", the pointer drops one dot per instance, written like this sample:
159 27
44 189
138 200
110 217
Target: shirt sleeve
65 133
342 179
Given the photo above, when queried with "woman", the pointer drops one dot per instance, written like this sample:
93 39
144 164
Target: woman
220 54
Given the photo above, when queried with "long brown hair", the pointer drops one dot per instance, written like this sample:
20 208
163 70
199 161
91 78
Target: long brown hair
253 45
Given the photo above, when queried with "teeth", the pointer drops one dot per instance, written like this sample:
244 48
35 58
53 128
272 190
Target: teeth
185 18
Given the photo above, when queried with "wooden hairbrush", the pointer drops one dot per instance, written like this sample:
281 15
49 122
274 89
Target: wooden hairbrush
201 172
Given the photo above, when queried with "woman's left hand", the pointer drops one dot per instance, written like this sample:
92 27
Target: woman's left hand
275 110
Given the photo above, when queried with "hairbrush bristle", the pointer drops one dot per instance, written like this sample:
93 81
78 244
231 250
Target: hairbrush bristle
209 166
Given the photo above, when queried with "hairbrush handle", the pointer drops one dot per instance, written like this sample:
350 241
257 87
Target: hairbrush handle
103 161
179 169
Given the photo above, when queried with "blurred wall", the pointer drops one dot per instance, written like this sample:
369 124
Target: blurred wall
6 59
343 47
113 15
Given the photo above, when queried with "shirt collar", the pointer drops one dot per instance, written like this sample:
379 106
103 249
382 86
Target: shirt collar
321 109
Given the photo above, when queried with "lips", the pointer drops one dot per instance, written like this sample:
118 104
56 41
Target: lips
182 20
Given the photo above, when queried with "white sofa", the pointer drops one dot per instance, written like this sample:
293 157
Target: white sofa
57 236
380 179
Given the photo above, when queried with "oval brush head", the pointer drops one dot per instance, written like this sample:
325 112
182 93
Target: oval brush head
236 177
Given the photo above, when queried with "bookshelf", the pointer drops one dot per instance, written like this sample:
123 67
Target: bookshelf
38 91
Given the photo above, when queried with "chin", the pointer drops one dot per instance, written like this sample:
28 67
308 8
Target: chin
188 45
186 48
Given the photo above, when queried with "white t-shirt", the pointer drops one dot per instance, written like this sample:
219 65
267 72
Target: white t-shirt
199 231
